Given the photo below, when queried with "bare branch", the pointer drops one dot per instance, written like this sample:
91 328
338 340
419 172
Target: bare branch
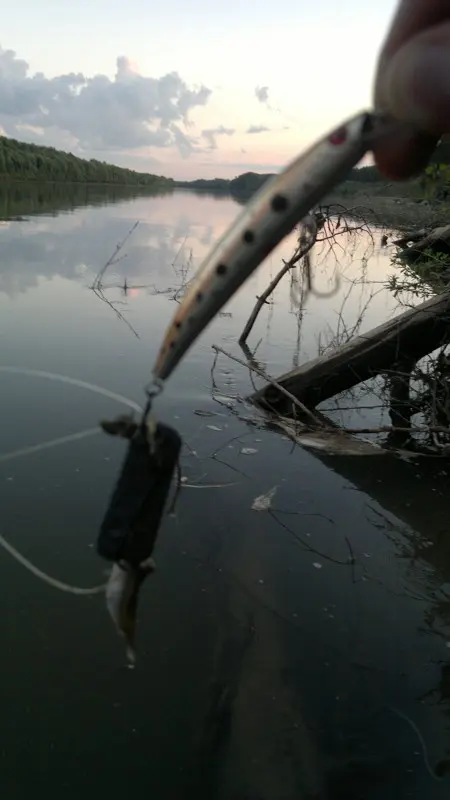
304 246
112 259
306 411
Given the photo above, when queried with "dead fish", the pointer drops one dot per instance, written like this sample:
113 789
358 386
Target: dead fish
132 519
271 214
122 594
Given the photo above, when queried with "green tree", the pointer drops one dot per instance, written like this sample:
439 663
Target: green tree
31 162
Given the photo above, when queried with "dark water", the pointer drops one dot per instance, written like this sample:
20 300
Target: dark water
270 667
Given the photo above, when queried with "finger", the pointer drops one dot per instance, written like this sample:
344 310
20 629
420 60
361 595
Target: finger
414 86
413 17
405 156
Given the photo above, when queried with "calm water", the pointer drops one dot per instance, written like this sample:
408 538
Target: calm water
269 666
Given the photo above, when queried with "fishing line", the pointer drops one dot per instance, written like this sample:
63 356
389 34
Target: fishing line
92 387
36 448
54 376
416 730
64 587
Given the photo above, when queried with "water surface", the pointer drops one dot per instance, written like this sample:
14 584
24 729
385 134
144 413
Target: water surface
281 654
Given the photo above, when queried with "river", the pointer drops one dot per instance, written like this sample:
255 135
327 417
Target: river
301 653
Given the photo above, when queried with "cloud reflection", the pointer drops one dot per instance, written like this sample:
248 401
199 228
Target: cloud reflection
76 246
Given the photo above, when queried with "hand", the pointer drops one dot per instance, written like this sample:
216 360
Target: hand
413 83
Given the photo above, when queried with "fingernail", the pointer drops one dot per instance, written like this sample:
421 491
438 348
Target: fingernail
416 87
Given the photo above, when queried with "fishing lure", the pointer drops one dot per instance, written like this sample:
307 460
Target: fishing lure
130 526
280 204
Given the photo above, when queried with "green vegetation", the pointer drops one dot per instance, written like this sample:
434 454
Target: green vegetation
248 183
422 277
31 162
422 200
244 186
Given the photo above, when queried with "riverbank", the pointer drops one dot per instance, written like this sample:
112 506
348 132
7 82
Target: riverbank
393 209
400 206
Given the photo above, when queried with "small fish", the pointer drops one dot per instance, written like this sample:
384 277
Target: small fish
122 593
273 212
133 516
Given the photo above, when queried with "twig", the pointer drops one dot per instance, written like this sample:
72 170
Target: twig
306 545
97 286
303 248
111 259
99 293
392 429
270 380
209 485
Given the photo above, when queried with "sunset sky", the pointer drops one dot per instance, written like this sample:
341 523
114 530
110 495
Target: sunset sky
189 89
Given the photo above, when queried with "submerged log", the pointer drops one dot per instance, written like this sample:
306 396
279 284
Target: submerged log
437 240
410 336
411 236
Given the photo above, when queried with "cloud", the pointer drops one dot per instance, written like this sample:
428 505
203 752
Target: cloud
210 135
262 93
97 113
257 129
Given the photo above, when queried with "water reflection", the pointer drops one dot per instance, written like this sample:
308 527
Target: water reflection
273 644
21 199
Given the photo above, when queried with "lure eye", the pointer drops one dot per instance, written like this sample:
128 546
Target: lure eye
338 137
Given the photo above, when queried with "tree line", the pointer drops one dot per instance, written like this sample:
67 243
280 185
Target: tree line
31 162
248 183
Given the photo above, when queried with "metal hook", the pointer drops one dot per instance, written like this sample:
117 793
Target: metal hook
148 426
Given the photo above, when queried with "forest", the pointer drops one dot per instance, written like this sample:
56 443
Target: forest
249 182
31 162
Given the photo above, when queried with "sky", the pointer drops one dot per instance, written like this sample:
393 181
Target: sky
186 88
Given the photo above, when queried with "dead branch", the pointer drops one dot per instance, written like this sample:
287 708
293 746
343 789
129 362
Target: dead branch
418 331
304 246
392 429
113 258
429 239
98 291
306 411
98 288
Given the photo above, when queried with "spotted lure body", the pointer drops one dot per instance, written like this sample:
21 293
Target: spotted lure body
272 213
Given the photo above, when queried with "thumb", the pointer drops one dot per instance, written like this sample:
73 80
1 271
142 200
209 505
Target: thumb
414 83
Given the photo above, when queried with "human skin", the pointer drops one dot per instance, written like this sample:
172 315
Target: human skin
413 84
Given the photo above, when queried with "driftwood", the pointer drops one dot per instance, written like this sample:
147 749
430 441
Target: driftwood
412 335
437 239
411 236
